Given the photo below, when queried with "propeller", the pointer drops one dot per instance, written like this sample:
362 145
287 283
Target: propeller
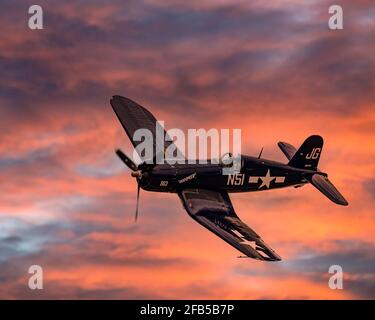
135 173
129 163
136 208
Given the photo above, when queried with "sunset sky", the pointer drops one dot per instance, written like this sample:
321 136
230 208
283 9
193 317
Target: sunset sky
271 68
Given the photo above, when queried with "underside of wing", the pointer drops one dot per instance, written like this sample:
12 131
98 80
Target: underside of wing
214 210
287 149
134 117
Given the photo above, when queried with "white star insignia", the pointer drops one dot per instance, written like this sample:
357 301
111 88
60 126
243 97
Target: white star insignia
247 242
266 180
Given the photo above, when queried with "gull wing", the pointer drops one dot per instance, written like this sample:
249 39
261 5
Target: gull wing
134 117
214 211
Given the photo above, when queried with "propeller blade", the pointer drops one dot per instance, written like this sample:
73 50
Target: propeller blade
129 163
136 209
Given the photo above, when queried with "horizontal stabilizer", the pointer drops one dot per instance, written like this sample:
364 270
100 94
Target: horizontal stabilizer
287 149
328 189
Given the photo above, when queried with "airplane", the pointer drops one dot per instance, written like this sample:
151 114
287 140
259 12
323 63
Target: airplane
204 189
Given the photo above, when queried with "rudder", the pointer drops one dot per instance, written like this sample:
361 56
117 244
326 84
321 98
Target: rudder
308 154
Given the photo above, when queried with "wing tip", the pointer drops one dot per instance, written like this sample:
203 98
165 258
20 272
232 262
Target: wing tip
342 202
118 98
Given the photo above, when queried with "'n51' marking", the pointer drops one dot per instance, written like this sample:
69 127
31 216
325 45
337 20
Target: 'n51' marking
236 179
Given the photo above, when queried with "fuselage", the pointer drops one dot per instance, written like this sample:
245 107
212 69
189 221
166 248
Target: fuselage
255 175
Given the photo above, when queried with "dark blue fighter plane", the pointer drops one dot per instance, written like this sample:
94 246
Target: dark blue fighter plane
203 188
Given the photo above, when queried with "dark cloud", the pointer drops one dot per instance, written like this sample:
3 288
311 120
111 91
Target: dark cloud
356 258
321 68
57 290
40 162
27 244
369 185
